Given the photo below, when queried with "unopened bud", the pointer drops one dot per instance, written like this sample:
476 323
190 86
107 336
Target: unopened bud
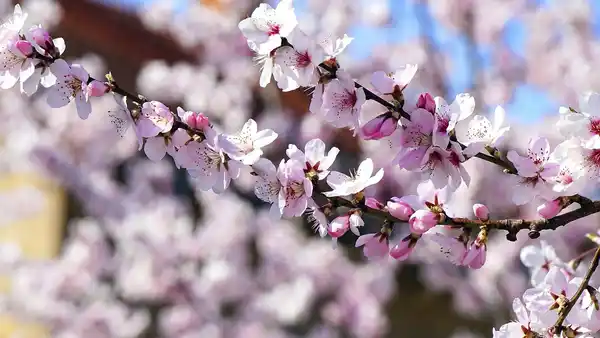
97 88
42 38
24 47
481 211
399 209
379 127
550 209
422 220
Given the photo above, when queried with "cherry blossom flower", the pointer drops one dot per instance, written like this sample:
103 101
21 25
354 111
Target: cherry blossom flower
155 118
374 245
45 45
415 140
519 328
206 163
583 124
314 158
539 260
573 174
300 61
297 189
342 102
334 47
246 146
71 83
479 132
16 62
535 169
266 26
156 147
395 82
268 69
447 116
344 185
267 186
121 118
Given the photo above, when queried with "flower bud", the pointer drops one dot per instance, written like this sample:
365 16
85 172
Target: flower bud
549 209
196 120
373 203
42 38
402 250
475 257
422 220
399 209
426 102
97 88
379 127
339 226
24 47
481 211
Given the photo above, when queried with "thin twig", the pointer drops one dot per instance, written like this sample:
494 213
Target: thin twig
558 326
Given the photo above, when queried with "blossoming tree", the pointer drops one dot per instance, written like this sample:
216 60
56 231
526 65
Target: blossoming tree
117 279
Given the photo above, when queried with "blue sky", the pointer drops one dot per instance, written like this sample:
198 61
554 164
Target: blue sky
529 102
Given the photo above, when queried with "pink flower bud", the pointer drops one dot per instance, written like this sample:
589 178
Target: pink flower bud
426 102
196 120
379 127
339 226
373 203
402 250
481 211
24 47
422 220
475 257
549 209
42 38
97 88
375 245
400 209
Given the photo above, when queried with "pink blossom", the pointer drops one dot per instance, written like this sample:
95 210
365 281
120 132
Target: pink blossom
379 127
535 169
314 158
71 83
400 209
550 209
155 118
395 82
481 211
41 38
342 102
404 248
299 62
268 25
475 256
246 145
374 245
296 189
422 220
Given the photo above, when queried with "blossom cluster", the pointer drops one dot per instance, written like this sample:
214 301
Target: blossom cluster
554 283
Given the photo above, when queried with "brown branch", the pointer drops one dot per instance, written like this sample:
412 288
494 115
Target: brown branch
558 326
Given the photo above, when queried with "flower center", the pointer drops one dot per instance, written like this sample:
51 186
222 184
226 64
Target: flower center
303 60
274 29
74 84
294 190
593 159
594 126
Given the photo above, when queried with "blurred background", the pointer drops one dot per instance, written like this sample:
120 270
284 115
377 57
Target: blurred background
97 241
